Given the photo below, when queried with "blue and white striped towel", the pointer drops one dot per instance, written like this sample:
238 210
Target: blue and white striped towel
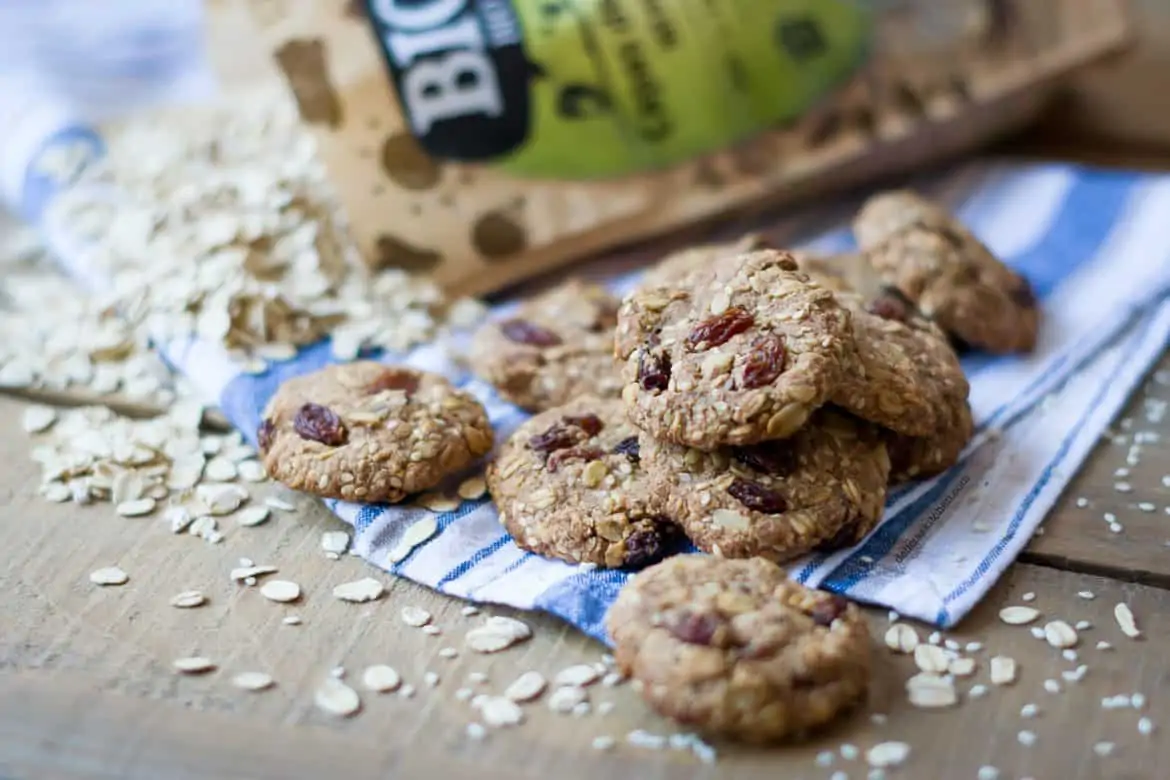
1096 247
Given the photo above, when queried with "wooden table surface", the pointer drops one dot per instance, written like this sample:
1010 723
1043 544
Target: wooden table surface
87 689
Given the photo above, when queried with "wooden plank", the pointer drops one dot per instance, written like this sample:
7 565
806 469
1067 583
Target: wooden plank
1079 537
86 689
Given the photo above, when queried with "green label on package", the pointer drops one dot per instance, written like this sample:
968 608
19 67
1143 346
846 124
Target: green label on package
589 88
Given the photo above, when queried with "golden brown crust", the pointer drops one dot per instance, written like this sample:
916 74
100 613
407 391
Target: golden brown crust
735 649
689 382
366 431
569 484
823 488
580 317
953 278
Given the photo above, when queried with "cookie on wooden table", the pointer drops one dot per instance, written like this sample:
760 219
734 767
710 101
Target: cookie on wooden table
557 346
823 488
370 432
736 649
738 356
570 484
951 276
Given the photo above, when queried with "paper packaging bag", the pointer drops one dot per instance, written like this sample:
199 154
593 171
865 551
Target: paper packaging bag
485 141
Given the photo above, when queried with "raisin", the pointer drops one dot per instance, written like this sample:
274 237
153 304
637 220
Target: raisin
719 328
651 544
394 379
654 371
694 628
767 458
525 332
828 610
629 447
320 423
264 434
558 437
890 305
590 423
572 453
757 497
1024 295
765 361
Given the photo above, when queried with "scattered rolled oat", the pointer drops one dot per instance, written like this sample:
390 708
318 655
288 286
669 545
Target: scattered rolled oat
977 691
1018 616
472 488
1145 726
579 676
564 699
275 502
251 516
526 687
1083 625
476 731
1052 686
359 591
496 634
1029 711
1029 596
988 772
136 507
291 620
195 664
412 537
603 742
37 418
109 575
1087 595
500 712
469 611
931 691
431 679
931 658
188 599
961 667
336 698
281 591
430 629
253 681
901 638
1026 738
1125 620
335 542
1103 749
380 678
886 754
416 617
448 653
242 573
1060 634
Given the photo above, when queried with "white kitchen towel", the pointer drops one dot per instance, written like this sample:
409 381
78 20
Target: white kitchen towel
1095 246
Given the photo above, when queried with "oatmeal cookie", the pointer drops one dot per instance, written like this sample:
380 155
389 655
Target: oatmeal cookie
569 484
738 357
925 456
952 277
557 346
736 649
366 431
823 488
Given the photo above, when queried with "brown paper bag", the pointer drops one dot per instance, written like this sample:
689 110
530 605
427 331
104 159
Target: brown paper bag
927 89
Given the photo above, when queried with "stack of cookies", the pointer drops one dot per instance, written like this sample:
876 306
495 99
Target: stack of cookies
755 401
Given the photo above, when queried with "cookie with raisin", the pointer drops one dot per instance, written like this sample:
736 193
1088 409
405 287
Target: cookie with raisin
370 432
952 277
734 649
569 484
738 356
823 488
555 347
